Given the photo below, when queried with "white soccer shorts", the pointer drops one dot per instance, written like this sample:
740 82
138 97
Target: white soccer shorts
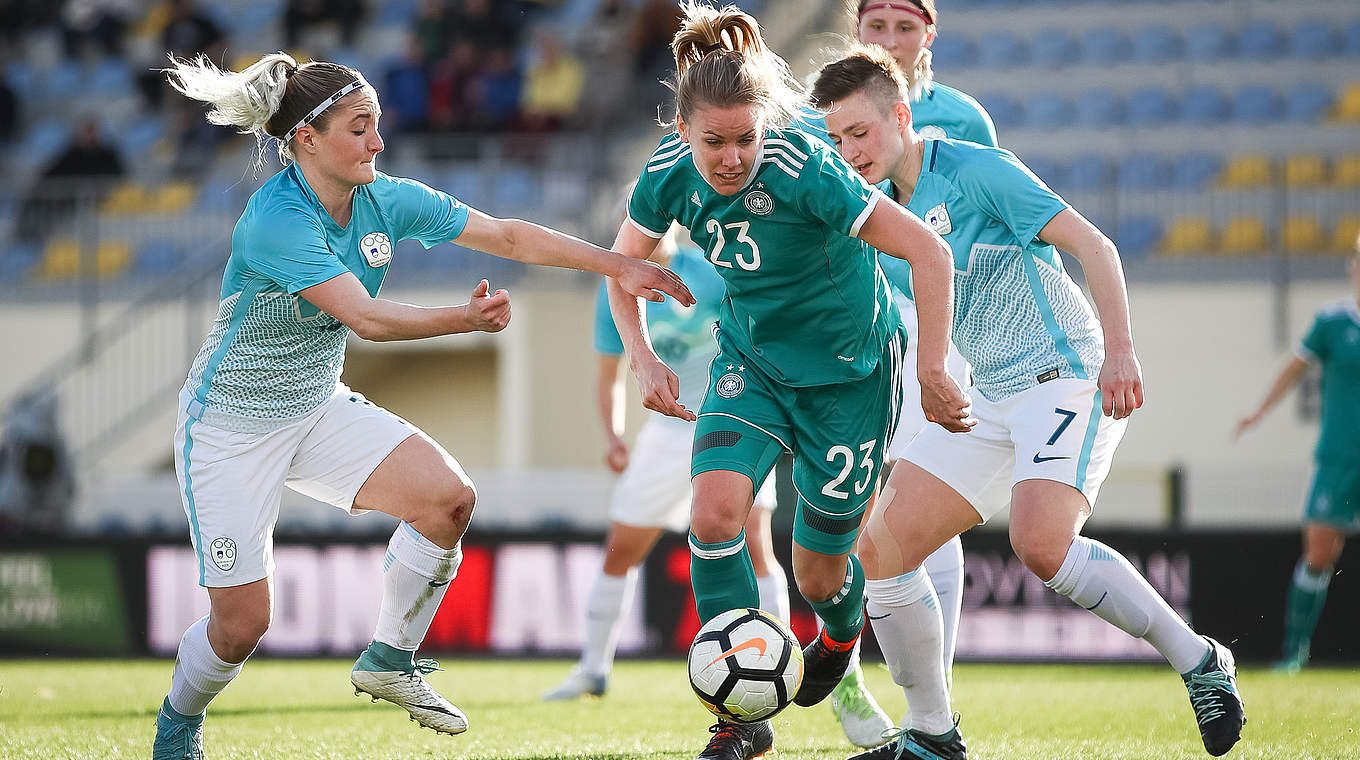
654 491
913 419
231 484
1053 431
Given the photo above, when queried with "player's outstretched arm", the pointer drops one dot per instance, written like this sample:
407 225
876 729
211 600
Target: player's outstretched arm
379 319
893 230
608 394
534 244
1288 376
1121 377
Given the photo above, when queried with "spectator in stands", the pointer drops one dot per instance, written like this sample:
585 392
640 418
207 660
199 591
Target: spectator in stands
430 30
452 79
496 92
552 85
190 31
482 23
55 194
407 91
37 478
9 109
98 22
301 15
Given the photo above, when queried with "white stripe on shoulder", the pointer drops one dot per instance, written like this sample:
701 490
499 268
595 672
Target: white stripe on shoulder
664 152
645 231
790 147
874 195
785 167
789 158
672 162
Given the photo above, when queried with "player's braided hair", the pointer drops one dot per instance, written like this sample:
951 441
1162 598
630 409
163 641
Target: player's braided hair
266 99
922 73
866 68
721 60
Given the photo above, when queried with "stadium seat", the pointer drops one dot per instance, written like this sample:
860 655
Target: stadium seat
1098 107
1142 171
1208 43
1104 46
1260 41
1303 234
953 52
1156 45
1348 105
1006 111
1194 171
39 144
1089 171
61 259
1048 109
111 78
1305 170
1244 235
16 259
1203 105
1002 49
173 197
62 81
21 76
1053 47
1314 39
1350 40
1045 168
1255 104
1344 234
1250 170
1189 235
1152 106
159 256
126 198
1346 171
1137 236
1307 103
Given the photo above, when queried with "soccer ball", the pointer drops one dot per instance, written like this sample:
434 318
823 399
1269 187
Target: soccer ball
745 665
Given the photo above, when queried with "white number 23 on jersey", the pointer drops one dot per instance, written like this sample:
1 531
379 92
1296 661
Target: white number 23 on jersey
750 262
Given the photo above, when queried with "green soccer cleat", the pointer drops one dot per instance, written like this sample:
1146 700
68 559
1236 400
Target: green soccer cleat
862 720
1213 694
178 737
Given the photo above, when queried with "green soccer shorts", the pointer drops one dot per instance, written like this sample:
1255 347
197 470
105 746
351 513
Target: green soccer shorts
1334 498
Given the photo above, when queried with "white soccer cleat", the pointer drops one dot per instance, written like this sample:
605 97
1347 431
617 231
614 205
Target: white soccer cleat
577 684
413 693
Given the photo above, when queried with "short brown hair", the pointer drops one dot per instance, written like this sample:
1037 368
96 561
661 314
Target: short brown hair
864 68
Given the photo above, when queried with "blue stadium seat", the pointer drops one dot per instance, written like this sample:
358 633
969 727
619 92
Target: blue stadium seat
16 259
999 50
1156 44
1260 41
1350 40
1048 109
1098 107
1149 106
1137 236
159 256
1088 171
1104 46
1202 105
396 11
1142 171
1006 111
1207 43
40 143
953 52
111 78
1053 47
1046 169
516 189
67 78
138 137
22 78
1314 39
1195 171
1255 104
1307 103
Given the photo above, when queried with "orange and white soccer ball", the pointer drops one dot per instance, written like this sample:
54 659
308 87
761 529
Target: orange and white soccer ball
745 665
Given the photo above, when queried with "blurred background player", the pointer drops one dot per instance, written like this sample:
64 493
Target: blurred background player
810 343
654 492
263 406
1043 376
1333 507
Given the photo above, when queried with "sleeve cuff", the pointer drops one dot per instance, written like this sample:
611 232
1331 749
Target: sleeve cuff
648 232
300 285
1045 218
863 217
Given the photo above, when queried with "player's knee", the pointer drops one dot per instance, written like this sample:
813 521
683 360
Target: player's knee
714 523
453 506
1043 556
242 632
820 587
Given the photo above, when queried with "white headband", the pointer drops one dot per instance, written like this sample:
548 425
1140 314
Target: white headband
327 103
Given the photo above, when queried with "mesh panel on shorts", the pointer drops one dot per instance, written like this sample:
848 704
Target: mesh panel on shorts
716 439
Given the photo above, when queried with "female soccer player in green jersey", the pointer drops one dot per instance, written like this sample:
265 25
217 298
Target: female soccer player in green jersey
808 336
263 406
1044 370
1333 507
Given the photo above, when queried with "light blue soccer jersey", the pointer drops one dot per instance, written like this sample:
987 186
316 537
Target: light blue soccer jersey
1018 316
272 357
682 337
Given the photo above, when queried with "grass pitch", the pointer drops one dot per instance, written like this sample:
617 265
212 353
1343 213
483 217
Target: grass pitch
63 710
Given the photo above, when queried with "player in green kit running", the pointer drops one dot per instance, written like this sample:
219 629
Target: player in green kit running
1333 507
809 339
1044 370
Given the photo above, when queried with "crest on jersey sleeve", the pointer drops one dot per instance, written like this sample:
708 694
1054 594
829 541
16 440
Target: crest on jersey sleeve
377 248
938 219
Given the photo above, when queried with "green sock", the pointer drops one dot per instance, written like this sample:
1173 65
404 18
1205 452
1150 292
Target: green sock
843 614
1303 608
722 576
379 657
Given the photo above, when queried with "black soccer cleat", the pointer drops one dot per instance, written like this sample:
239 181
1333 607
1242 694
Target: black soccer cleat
738 741
824 665
913 745
1213 694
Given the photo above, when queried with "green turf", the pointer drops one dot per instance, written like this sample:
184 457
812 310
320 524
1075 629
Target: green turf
56 709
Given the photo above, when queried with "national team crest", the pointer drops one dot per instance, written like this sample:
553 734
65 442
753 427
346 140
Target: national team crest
377 248
938 219
223 553
730 385
758 202
932 132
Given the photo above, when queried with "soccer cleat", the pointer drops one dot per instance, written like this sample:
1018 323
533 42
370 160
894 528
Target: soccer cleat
578 684
909 744
1213 694
178 737
863 721
824 664
410 691
738 741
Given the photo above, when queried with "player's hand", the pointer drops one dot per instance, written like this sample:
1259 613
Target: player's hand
616 454
1246 423
488 312
1121 384
660 389
945 403
649 280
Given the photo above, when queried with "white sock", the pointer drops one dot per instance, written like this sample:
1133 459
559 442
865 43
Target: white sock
416 573
906 619
610 598
945 568
774 593
1101 580
200 674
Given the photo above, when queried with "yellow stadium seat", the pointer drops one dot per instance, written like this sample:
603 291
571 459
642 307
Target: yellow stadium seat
1348 105
1345 234
126 199
1305 170
1245 235
60 260
173 198
1346 171
1247 171
1303 234
111 258
1188 235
